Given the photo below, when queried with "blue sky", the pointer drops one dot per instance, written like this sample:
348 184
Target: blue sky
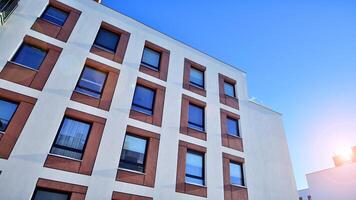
300 58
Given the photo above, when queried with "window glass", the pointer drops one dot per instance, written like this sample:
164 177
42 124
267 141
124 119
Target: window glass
7 110
196 117
71 138
41 194
29 56
196 77
143 100
91 82
133 153
55 16
194 170
229 89
107 40
232 127
151 58
236 175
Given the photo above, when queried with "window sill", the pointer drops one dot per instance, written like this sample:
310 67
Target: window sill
87 94
196 86
149 67
50 22
24 66
195 129
2 132
104 49
239 186
234 136
132 171
195 184
142 112
232 97
65 157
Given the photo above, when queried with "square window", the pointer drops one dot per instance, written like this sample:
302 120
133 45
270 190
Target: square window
29 56
91 82
107 40
44 194
71 138
151 58
7 110
229 89
196 77
232 126
133 153
194 169
143 100
55 16
236 174
196 117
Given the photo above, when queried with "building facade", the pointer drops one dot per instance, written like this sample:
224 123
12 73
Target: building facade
95 105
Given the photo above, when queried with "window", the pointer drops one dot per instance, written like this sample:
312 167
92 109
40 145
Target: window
55 15
71 138
196 117
232 126
44 194
29 56
151 58
229 89
236 174
7 110
91 82
107 40
196 77
143 100
309 197
194 171
133 153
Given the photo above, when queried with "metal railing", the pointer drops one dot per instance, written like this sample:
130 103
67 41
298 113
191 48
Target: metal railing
6 8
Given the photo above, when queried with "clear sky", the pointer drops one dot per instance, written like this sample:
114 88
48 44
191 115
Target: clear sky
300 59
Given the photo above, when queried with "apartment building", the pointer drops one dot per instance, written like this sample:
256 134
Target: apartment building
95 105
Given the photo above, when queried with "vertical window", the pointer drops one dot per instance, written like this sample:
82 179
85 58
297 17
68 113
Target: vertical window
44 194
194 170
29 56
196 77
91 82
309 197
229 89
196 117
7 110
55 16
71 138
143 100
133 153
236 174
107 40
151 58
232 126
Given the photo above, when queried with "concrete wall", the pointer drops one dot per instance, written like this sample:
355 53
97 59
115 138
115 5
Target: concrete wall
335 183
268 170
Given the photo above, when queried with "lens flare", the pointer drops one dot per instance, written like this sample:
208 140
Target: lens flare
345 154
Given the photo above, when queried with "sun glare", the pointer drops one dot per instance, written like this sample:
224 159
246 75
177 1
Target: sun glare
345 154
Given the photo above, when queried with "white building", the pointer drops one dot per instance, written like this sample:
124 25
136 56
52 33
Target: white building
95 105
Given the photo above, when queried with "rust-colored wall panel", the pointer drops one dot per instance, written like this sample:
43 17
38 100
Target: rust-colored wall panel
181 185
64 164
188 64
77 196
163 65
124 196
148 177
228 140
18 121
82 98
156 117
17 74
61 33
77 191
184 129
225 99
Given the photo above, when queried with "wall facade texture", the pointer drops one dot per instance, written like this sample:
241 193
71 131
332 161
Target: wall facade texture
47 95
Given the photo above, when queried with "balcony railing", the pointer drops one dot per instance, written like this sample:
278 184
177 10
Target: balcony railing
6 8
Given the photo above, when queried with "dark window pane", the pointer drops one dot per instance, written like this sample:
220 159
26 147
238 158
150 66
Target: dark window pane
91 82
71 138
151 58
196 77
41 194
29 56
7 110
194 170
236 174
232 127
107 40
229 89
133 153
143 100
196 117
55 16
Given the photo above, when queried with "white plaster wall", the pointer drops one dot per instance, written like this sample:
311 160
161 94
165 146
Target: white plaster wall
335 183
268 173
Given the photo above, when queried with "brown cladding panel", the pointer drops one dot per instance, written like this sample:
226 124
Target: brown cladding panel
188 64
77 192
225 99
124 196
228 140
